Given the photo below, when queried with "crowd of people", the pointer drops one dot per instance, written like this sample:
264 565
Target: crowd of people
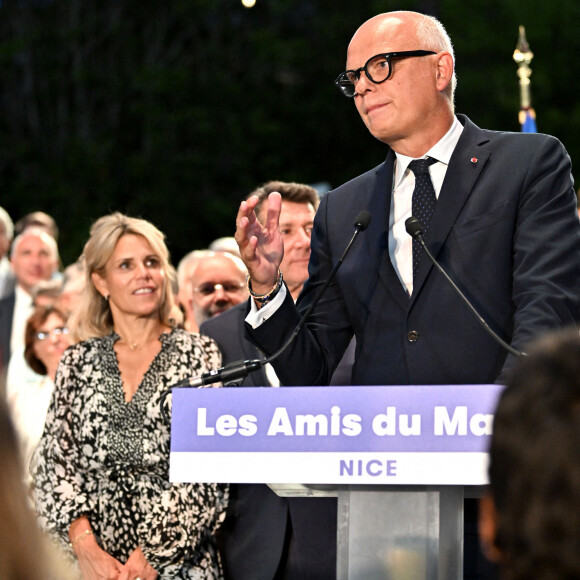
129 323
87 351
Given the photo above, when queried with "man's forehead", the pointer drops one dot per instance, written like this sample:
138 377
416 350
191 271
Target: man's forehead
217 267
292 211
377 36
33 241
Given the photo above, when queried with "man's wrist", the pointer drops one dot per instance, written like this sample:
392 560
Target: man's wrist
262 299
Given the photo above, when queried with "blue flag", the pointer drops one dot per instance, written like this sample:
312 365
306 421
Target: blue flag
528 120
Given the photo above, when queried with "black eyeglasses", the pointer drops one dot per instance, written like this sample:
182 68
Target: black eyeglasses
44 334
209 288
377 68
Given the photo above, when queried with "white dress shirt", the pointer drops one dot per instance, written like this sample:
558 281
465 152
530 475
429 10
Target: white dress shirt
19 374
400 242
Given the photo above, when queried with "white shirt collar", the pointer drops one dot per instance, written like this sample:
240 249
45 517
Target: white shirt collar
442 151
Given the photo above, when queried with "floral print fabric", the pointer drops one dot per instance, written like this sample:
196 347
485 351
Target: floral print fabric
109 459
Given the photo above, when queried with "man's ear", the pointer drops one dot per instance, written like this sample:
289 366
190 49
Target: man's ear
444 70
488 527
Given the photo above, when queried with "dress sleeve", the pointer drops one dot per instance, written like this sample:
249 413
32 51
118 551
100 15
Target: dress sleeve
60 492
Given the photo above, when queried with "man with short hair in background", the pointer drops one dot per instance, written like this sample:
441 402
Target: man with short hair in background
34 257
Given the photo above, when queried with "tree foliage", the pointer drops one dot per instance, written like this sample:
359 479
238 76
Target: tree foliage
175 110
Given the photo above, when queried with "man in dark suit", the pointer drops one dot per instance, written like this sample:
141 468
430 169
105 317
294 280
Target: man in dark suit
34 257
266 536
504 226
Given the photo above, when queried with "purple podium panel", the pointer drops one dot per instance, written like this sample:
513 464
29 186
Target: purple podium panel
395 435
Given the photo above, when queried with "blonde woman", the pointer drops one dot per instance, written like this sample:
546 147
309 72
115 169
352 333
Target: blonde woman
101 469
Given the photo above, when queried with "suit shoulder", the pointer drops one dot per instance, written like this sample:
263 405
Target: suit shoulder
7 301
523 140
363 180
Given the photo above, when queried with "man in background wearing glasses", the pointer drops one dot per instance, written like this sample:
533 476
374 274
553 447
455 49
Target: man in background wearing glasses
498 212
218 282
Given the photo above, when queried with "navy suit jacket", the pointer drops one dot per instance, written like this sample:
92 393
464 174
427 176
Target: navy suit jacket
505 228
254 540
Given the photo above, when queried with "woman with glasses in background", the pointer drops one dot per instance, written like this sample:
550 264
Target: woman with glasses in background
45 339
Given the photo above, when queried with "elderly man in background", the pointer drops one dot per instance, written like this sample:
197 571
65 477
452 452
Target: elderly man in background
34 257
217 281
209 299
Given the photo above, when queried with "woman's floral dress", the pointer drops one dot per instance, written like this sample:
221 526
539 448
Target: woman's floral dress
109 459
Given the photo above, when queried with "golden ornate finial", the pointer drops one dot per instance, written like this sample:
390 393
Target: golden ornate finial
523 57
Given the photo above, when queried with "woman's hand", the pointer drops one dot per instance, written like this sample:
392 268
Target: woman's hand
94 562
137 568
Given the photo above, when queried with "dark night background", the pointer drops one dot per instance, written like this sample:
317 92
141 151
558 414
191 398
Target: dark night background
175 110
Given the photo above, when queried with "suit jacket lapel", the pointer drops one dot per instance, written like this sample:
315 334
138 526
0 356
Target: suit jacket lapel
465 166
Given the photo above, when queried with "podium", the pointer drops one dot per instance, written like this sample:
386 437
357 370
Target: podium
396 532
400 460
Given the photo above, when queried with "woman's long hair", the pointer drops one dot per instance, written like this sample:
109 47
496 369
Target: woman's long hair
93 318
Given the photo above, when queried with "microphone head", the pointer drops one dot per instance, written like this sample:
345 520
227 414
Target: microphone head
413 227
362 221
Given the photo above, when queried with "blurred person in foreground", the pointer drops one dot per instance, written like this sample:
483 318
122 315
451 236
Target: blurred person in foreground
46 338
498 212
101 470
266 536
25 553
530 517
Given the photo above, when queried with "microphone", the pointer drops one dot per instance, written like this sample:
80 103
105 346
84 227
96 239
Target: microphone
234 372
415 230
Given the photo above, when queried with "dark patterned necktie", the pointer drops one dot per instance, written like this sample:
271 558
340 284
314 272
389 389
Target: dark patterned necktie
423 202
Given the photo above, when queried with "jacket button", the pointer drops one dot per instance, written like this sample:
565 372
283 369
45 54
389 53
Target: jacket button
412 336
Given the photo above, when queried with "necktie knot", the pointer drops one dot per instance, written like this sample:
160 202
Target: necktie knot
421 166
